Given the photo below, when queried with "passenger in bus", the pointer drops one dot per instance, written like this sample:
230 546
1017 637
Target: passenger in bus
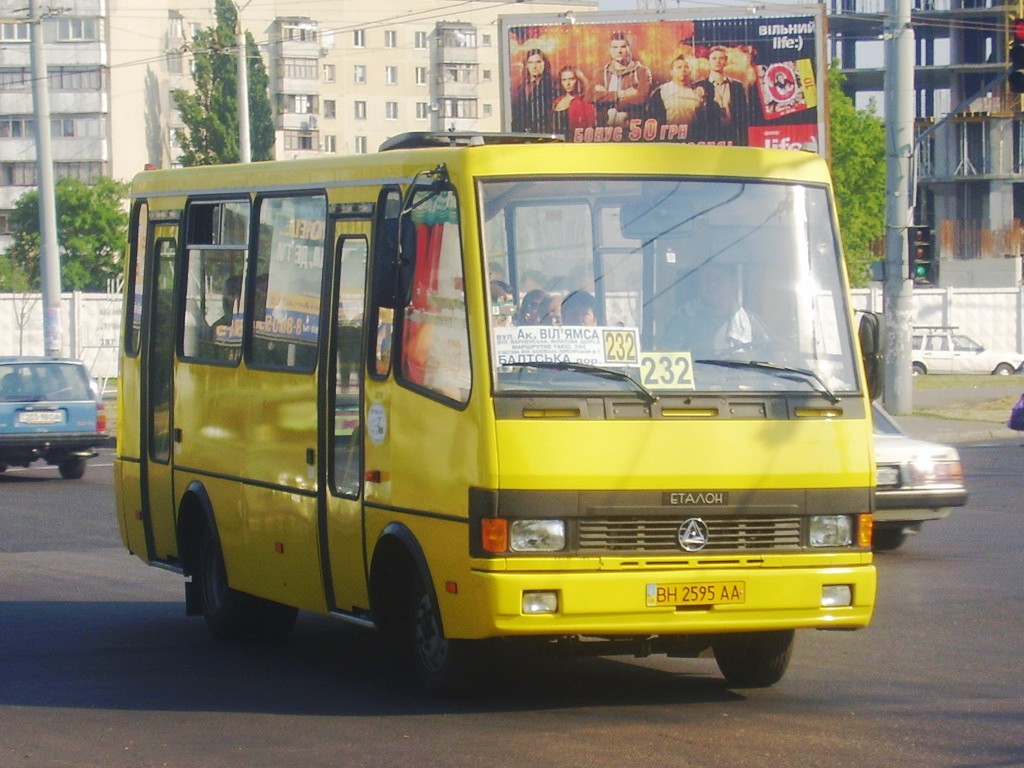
532 308
711 320
552 312
503 304
579 308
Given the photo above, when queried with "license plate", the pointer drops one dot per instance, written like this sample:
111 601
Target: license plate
41 417
701 593
888 476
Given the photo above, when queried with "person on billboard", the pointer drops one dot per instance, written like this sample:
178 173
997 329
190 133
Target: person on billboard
570 109
728 114
680 102
625 86
531 102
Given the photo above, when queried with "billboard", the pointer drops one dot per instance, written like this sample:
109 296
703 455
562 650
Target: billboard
701 77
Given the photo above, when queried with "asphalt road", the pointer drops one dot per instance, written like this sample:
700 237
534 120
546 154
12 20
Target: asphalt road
100 668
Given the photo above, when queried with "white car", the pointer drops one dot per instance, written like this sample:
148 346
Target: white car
944 350
917 481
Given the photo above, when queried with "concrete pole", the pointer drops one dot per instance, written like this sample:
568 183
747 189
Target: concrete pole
244 144
49 254
898 289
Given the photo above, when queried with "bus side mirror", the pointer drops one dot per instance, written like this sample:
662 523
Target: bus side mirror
870 338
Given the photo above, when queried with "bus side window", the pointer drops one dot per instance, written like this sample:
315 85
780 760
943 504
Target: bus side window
137 273
289 276
435 340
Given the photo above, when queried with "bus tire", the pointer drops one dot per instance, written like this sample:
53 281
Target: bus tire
753 659
888 539
441 665
229 614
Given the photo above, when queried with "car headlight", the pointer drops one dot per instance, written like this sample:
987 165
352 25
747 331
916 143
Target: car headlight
927 472
537 535
830 531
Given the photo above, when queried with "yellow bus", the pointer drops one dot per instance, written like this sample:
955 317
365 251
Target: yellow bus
596 399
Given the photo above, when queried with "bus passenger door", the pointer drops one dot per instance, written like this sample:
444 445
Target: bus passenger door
343 441
155 418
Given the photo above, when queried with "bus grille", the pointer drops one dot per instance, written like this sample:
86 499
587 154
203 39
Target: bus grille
660 535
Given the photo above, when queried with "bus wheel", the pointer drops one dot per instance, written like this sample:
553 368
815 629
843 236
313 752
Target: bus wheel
888 539
229 613
441 665
754 659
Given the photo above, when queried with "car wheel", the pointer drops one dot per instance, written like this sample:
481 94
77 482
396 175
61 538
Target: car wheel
229 613
1003 369
72 469
888 539
754 659
918 369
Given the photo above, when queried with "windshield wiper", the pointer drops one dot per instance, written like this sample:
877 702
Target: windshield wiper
606 373
806 373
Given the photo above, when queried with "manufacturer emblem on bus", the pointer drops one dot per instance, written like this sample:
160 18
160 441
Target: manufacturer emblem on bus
693 534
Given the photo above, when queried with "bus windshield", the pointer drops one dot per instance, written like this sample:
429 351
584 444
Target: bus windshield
660 285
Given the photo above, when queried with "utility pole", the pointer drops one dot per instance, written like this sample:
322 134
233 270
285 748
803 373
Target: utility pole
899 148
244 143
49 254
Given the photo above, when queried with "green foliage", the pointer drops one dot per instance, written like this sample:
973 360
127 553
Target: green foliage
92 226
858 174
210 112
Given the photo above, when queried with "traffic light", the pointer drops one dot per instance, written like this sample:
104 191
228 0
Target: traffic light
1015 56
923 269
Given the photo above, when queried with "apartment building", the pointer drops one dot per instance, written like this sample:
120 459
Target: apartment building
344 76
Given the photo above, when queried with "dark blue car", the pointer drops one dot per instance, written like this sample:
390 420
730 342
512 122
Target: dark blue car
50 410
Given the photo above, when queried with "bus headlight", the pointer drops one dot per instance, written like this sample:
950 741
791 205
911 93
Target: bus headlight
537 535
830 531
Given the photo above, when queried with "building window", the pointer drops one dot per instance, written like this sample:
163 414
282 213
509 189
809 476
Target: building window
464 108
359 38
360 112
299 103
485 41
14 32
390 38
330 107
421 75
361 145
459 73
331 144
458 38
391 110
487 110
72 30
73 127
304 34
486 75
421 40
87 173
301 140
175 63
300 69
16 128
14 79
328 73
359 74
391 75
422 110
75 78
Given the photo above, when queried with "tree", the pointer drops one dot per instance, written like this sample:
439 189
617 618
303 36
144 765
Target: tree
210 112
92 230
858 176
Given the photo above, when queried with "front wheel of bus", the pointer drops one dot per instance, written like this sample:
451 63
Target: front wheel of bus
441 665
228 612
754 659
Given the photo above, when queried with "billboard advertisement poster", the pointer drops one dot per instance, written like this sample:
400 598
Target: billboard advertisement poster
690 77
